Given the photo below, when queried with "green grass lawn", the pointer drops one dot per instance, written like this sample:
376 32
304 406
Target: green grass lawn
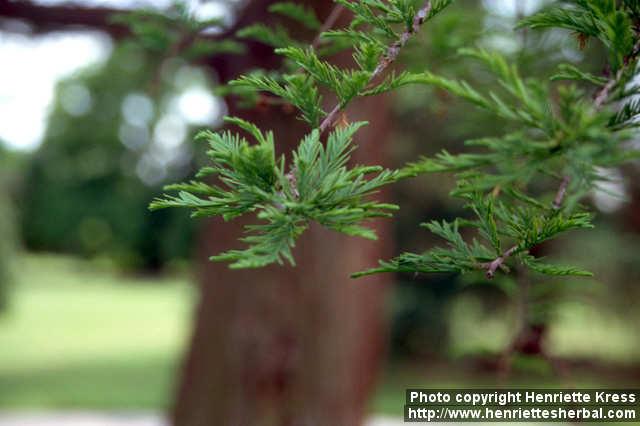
78 335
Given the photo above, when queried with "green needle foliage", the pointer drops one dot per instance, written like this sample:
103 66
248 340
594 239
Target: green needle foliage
318 185
522 187
176 32
560 134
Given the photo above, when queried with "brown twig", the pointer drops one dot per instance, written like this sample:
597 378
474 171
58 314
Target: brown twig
561 193
328 24
330 118
498 262
389 57
602 95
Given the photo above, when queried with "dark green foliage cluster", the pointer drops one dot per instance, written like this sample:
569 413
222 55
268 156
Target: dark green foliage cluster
176 32
523 186
609 21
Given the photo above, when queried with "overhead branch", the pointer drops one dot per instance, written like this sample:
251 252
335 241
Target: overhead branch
43 18
72 16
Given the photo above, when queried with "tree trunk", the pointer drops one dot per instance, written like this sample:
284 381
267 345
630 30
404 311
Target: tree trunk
281 345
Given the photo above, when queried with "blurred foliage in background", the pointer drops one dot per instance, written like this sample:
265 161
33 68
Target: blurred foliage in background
111 143
9 174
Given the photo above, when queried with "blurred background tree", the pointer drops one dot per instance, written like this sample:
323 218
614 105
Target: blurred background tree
10 164
109 149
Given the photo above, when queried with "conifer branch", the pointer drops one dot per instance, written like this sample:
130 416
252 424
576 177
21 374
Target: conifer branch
493 266
387 59
600 99
394 49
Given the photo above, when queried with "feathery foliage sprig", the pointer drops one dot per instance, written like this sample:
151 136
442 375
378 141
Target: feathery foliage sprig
318 185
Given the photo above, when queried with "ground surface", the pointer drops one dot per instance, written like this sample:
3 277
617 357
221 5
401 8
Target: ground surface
80 336
96 419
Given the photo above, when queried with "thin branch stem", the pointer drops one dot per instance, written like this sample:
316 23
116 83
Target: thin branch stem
498 262
493 266
387 59
330 118
603 94
328 24
561 193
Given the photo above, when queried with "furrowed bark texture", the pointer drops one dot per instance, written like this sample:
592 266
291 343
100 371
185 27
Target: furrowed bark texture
281 345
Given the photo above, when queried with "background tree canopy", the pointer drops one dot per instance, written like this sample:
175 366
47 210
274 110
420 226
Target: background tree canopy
100 164
9 175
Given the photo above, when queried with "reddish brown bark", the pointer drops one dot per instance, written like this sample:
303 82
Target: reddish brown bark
44 18
282 345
